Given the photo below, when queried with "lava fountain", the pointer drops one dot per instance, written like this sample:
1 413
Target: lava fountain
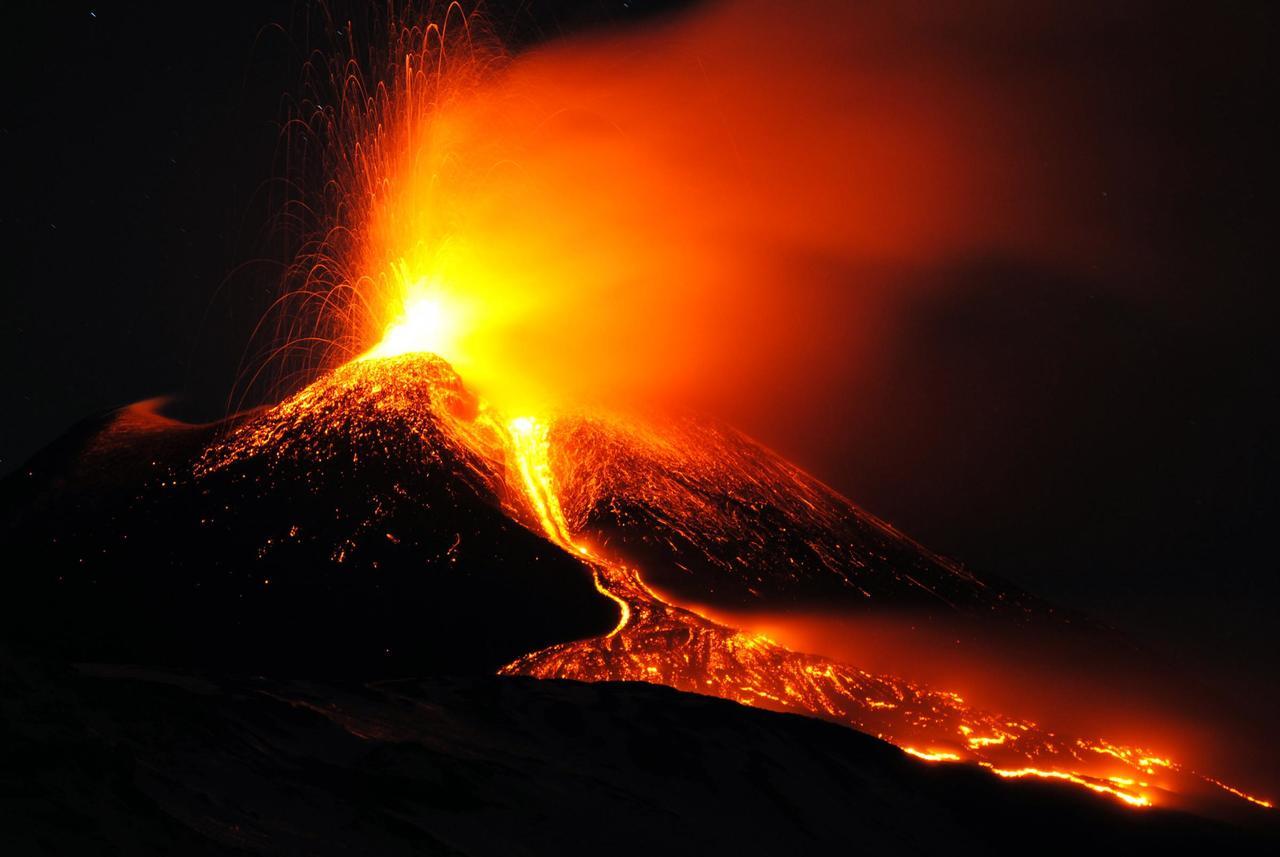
484 210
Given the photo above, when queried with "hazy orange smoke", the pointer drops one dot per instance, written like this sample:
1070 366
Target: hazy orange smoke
701 208
725 209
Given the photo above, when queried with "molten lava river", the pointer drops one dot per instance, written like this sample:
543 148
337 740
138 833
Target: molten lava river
663 643
582 480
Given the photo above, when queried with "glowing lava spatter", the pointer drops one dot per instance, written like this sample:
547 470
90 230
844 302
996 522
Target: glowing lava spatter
659 642
654 640
407 252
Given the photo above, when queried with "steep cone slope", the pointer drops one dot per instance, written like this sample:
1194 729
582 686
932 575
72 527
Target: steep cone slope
717 519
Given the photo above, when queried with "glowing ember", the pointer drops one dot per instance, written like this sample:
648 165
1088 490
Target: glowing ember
1128 797
659 642
1266 804
405 261
432 322
512 461
931 755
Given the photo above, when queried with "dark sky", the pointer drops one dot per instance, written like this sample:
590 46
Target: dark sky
1114 455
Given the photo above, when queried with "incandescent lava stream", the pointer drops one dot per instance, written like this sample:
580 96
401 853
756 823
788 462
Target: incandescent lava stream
386 520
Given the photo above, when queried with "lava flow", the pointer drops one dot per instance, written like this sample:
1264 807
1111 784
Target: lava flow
432 248
660 642
654 640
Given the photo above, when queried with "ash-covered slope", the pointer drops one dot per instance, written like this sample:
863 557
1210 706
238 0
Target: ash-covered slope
354 528
139 761
716 519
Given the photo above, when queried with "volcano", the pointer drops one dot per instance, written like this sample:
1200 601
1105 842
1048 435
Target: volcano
352 533
386 522
379 520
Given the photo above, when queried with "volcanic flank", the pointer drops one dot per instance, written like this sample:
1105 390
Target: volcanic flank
356 528
386 521
387 490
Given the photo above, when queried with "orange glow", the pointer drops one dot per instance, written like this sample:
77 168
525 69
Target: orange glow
574 225
530 449
521 462
430 321
726 209
1266 804
932 755
1128 797
662 642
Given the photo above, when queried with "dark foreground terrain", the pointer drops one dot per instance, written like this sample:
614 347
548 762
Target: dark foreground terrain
129 760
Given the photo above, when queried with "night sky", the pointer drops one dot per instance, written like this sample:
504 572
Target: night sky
1115 455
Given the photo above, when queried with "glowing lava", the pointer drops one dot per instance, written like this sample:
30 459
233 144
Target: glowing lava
529 447
431 321
440 239
662 643
1128 797
513 463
